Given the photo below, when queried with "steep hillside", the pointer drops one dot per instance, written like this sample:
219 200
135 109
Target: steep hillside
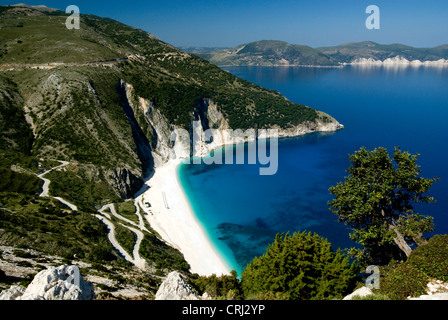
91 111
268 53
279 53
349 52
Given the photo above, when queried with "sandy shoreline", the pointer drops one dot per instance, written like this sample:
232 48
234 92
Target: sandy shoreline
172 217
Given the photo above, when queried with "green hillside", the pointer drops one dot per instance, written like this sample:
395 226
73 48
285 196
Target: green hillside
268 53
62 98
369 49
278 53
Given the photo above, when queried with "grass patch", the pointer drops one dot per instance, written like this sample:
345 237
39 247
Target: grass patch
127 210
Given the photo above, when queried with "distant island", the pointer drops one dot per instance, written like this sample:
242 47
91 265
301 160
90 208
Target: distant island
280 53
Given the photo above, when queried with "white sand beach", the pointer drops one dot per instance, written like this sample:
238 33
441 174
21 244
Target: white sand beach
171 215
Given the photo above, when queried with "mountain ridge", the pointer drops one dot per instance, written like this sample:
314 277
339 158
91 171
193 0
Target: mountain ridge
105 99
281 53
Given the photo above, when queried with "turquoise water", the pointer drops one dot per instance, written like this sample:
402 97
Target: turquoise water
408 107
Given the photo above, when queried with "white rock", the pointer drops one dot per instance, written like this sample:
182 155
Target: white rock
12 293
398 61
361 292
174 287
57 283
437 296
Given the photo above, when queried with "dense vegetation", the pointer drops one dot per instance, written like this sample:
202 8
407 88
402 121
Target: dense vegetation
78 115
369 49
15 133
409 278
272 52
268 53
226 287
163 256
302 266
31 222
178 100
377 201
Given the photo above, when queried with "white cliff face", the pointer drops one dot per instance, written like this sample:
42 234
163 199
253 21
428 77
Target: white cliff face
162 133
169 142
399 61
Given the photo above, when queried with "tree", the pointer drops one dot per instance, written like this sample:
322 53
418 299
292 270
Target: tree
302 266
222 287
377 201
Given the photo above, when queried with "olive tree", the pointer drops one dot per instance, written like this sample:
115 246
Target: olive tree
377 201
300 267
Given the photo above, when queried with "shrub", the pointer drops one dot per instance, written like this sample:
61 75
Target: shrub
375 296
404 281
432 258
302 266
223 287
268 296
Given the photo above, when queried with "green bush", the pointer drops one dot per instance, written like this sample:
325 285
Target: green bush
125 237
162 255
18 182
375 296
403 281
223 287
432 258
302 266
268 296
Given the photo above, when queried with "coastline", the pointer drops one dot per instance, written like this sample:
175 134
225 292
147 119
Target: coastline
169 212
172 217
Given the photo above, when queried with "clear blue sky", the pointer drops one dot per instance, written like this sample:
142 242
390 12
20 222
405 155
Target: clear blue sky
227 23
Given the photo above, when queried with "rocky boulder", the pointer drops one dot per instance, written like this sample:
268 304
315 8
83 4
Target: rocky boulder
436 296
361 292
174 287
13 293
56 283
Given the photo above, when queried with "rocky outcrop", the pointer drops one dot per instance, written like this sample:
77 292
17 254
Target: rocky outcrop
123 181
361 292
399 61
174 287
56 283
436 290
156 128
13 293
437 296
209 129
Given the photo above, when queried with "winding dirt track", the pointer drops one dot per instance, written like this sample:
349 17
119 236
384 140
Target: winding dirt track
46 186
106 219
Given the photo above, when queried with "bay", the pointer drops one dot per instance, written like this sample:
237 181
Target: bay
407 107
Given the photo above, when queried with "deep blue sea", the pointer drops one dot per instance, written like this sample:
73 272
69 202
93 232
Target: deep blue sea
407 107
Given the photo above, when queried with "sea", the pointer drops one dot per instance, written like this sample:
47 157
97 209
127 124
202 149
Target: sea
242 211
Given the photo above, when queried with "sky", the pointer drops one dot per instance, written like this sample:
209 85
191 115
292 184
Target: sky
228 23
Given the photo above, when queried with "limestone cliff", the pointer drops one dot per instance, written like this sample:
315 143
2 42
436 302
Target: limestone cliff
209 129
